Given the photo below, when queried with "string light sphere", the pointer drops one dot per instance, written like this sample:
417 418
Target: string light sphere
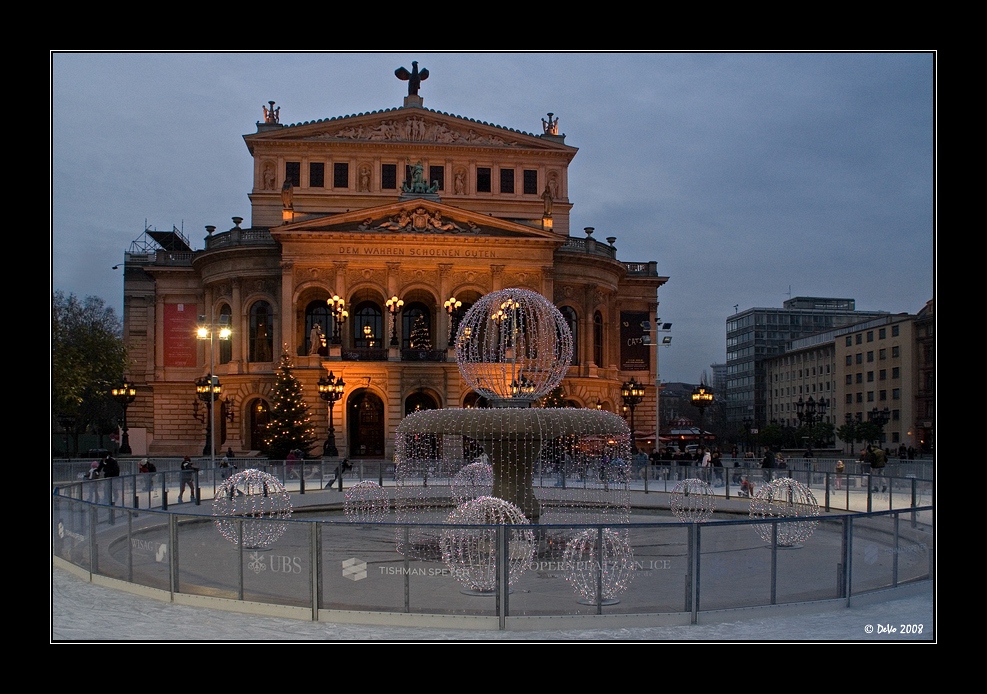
474 480
257 501
784 499
366 502
598 577
692 501
513 346
471 553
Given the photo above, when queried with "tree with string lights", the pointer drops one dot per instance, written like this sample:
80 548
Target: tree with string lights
289 427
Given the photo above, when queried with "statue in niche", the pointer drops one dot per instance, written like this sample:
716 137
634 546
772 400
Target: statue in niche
315 337
547 198
287 194
460 183
268 177
413 78
553 185
365 179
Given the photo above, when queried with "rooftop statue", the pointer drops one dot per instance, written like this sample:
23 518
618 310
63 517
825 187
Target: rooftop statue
419 184
413 78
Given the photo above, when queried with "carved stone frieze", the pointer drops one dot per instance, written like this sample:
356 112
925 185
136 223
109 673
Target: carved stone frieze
414 129
359 276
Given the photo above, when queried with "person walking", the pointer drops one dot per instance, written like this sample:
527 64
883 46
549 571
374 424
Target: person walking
768 464
878 459
187 477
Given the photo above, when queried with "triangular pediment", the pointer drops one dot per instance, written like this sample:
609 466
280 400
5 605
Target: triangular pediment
407 125
418 216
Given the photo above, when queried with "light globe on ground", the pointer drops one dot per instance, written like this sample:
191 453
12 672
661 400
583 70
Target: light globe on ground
599 575
789 500
366 502
254 501
692 501
471 553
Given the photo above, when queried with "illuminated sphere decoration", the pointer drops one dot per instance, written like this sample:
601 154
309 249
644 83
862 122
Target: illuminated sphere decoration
471 553
255 500
474 480
592 576
513 346
692 501
785 499
366 502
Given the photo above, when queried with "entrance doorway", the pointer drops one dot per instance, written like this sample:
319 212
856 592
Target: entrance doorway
259 417
366 425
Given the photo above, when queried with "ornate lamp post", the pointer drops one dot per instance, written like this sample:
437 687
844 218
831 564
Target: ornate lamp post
702 397
806 412
337 307
210 384
880 418
394 305
331 390
633 393
208 389
452 306
124 394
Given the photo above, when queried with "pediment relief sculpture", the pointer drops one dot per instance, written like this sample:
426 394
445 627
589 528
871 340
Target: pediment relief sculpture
416 129
419 220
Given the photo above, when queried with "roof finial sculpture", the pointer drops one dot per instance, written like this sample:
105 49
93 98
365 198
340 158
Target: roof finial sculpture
413 78
272 115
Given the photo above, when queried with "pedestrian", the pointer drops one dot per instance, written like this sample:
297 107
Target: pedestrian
344 466
878 459
187 477
705 464
108 468
718 466
146 468
840 469
230 454
768 464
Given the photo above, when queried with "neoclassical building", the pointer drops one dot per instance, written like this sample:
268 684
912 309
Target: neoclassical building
402 218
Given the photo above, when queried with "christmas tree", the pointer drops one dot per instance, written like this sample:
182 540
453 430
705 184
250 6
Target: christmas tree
289 427
419 337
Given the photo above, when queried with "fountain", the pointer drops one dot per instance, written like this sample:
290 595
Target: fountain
514 347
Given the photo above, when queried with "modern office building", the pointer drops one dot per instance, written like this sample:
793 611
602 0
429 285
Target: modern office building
880 369
758 334
368 238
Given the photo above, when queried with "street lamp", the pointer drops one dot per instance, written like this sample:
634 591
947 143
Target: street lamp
394 305
452 306
806 412
666 341
124 394
633 393
702 397
337 307
210 331
331 390
748 425
208 389
880 418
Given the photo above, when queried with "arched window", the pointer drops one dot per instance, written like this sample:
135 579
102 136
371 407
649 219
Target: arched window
226 346
569 315
261 332
368 326
317 313
416 327
598 339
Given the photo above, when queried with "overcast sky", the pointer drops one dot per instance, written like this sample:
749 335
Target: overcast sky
748 177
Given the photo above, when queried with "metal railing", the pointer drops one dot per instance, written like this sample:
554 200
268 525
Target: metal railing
335 569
